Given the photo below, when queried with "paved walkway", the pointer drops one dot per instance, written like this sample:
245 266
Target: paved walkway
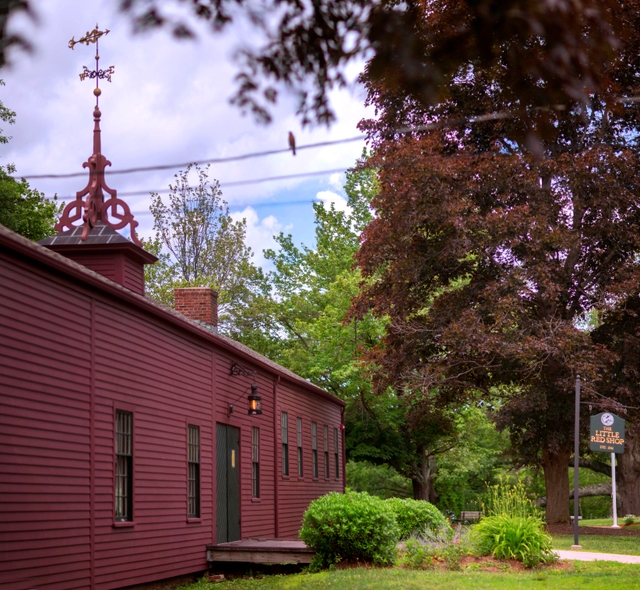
589 556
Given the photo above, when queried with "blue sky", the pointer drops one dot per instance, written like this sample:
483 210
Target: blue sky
168 102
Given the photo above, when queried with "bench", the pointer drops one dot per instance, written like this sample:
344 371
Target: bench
470 515
571 517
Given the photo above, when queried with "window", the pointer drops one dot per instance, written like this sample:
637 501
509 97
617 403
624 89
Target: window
335 451
285 443
299 432
314 449
194 471
255 459
124 466
326 451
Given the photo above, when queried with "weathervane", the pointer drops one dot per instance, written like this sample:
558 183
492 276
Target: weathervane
95 209
98 74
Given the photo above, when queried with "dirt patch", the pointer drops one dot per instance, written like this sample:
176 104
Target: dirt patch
567 529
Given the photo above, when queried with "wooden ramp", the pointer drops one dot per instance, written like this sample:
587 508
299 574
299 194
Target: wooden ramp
261 551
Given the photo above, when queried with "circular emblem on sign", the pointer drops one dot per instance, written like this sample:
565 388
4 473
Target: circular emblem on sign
606 419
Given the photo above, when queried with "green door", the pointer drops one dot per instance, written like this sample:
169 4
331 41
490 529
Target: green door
227 483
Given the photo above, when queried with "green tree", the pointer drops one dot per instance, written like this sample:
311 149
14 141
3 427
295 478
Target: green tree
23 209
198 244
311 334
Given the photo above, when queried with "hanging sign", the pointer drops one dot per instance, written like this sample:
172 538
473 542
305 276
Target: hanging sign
607 433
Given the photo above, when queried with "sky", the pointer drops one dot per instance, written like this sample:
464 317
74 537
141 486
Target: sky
167 103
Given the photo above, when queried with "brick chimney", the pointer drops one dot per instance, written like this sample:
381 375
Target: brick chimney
198 303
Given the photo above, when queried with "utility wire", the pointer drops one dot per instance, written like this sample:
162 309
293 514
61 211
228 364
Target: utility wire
401 131
617 403
185 164
226 184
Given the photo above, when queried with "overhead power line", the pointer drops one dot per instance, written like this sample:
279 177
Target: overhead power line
226 184
185 164
453 122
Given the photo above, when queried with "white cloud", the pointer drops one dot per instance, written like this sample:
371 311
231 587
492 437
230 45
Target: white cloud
329 197
336 181
167 103
260 233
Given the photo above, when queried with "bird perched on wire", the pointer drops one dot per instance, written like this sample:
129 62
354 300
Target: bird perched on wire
292 143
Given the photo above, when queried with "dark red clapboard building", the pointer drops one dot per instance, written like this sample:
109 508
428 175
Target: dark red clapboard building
126 443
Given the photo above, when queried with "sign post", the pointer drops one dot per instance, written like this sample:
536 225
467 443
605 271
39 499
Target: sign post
576 464
607 436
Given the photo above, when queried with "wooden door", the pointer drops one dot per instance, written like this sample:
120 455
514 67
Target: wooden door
227 483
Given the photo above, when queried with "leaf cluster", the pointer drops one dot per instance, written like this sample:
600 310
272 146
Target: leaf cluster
350 527
514 537
26 210
417 517
23 209
199 244
552 52
488 248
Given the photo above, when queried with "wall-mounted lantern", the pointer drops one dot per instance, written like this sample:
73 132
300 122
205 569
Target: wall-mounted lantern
254 401
254 398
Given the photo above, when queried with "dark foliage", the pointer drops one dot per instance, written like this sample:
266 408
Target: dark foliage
491 246
547 52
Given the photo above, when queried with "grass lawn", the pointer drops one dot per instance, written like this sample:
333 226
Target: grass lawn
600 543
599 522
603 522
582 575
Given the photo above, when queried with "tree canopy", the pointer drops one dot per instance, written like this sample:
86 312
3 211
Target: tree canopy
489 248
23 209
199 244
552 52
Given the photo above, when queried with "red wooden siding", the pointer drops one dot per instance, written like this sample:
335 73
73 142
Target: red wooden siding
73 350
44 432
133 275
165 380
256 515
295 493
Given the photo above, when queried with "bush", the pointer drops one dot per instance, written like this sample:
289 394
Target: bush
507 537
450 548
417 516
353 526
629 519
418 556
509 500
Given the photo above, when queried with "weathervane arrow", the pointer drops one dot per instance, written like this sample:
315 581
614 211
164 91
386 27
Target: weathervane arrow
98 74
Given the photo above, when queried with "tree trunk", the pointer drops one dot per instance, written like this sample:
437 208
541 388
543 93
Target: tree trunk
556 479
423 484
420 489
628 474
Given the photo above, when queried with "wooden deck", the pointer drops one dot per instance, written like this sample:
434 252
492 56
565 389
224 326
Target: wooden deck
261 551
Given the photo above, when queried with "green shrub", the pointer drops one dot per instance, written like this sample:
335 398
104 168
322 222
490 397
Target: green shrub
450 549
353 526
417 516
629 519
509 500
417 555
507 537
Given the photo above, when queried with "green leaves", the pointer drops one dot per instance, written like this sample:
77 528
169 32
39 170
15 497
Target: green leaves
25 210
350 527
199 244
514 537
417 517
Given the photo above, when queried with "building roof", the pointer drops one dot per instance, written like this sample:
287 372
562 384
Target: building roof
99 234
62 264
